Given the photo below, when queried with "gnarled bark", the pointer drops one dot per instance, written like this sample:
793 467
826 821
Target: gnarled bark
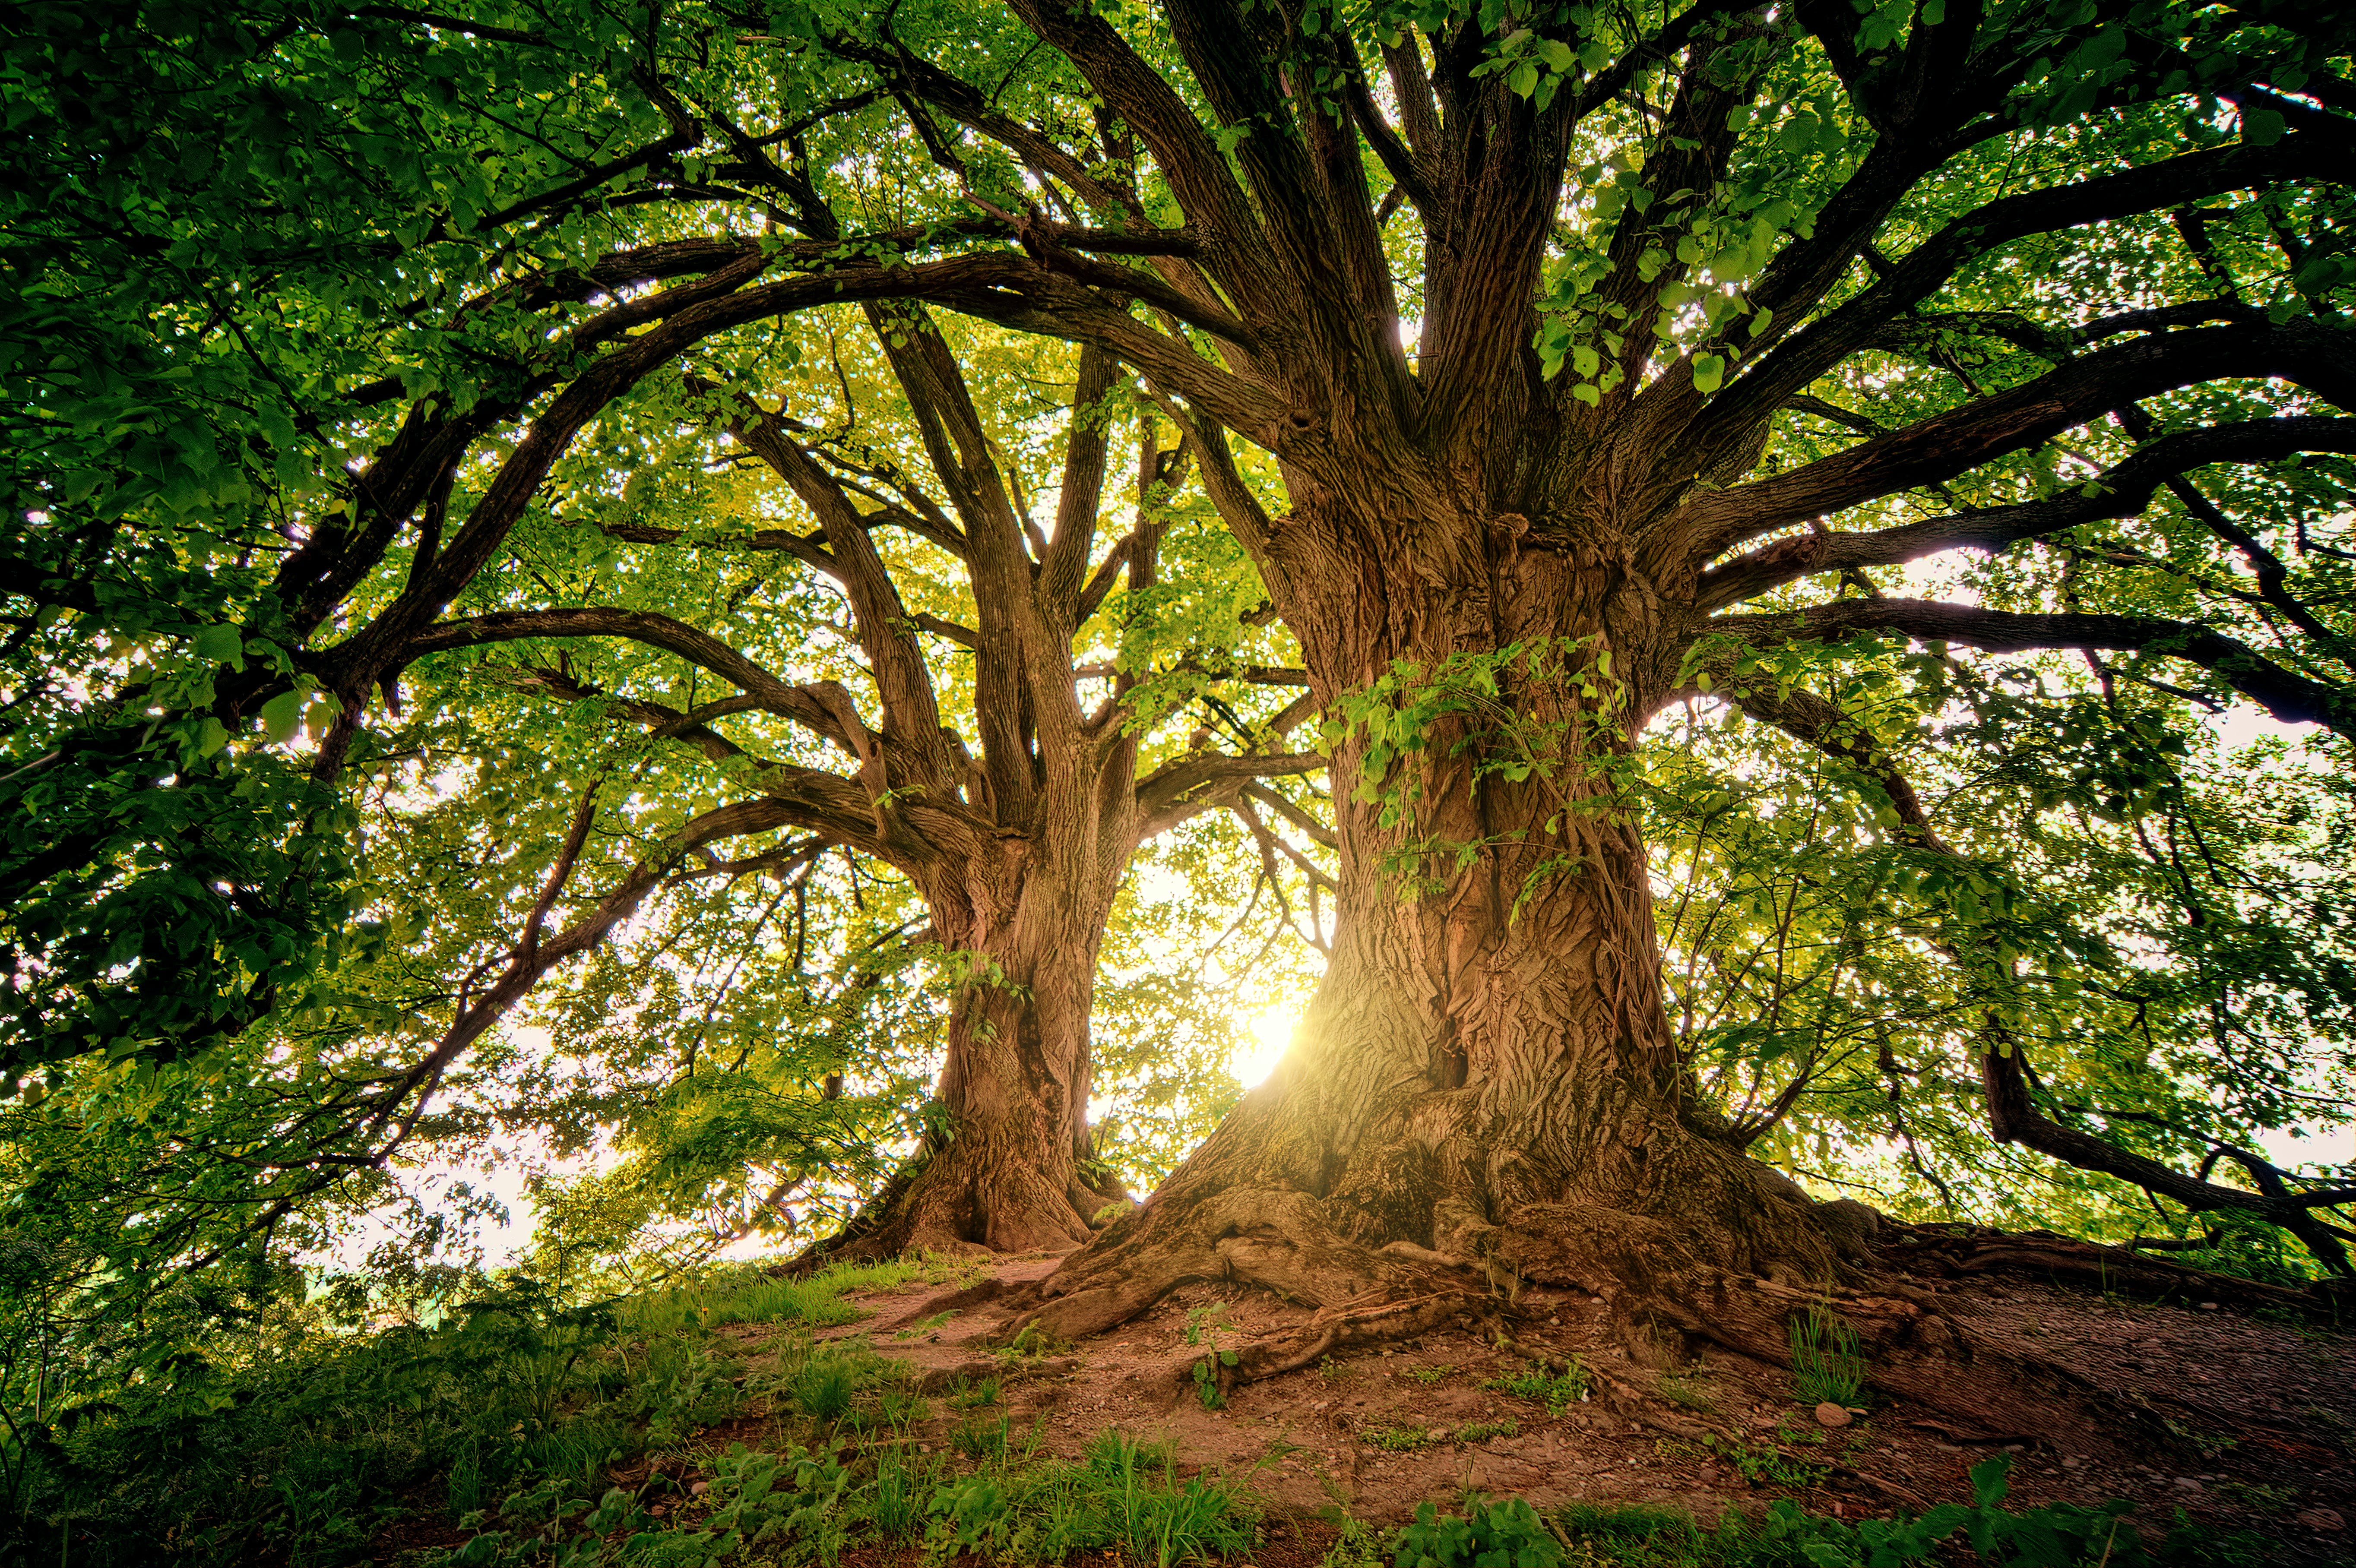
1485 1089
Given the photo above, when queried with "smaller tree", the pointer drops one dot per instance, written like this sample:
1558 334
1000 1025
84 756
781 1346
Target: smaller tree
1015 840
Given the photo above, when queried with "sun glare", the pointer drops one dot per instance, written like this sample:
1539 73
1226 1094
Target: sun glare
1263 1046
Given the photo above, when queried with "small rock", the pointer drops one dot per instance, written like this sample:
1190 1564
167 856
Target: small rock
2208 1306
1831 1414
2187 1483
2071 1461
698 1489
1438 1434
2326 1518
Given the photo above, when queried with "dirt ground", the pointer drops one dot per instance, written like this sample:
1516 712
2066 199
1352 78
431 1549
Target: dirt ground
2241 1423
2248 1424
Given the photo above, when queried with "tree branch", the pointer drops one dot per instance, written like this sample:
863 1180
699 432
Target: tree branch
1938 448
2293 699
2123 490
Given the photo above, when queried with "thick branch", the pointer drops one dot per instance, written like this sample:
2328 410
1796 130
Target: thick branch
699 648
2120 491
1179 790
1944 445
2293 699
1809 352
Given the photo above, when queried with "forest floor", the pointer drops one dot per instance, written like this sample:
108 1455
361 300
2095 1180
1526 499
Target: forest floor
2241 1424
2258 1415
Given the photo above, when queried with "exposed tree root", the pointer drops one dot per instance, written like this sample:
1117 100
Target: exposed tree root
1954 1250
1668 1298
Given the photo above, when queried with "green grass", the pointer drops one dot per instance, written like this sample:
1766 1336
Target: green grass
1600 1536
746 1295
1407 1439
300 1446
1400 1439
1828 1365
1688 1390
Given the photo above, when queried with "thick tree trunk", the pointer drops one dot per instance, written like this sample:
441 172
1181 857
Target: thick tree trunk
1486 1087
1009 1165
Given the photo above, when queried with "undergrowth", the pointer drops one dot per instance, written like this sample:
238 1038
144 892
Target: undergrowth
297 1445
2056 1535
513 1416
803 1506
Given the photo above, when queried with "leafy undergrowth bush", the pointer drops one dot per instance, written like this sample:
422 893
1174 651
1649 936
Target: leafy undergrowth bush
298 1448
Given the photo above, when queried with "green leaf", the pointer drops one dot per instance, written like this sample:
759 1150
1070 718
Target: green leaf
283 714
222 645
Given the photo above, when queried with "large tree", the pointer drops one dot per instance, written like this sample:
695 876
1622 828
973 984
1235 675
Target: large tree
1530 480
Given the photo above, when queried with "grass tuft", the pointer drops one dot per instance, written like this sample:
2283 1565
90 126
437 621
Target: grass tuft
1828 1365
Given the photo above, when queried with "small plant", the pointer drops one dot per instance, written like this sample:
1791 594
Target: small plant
1557 1392
927 1326
1330 1370
971 1515
1766 1464
1481 1431
1401 1439
1687 1390
964 1395
1828 1367
1430 1375
1032 1343
898 1409
979 1439
1203 1323
824 1389
1358 1545
1508 1534
1203 1327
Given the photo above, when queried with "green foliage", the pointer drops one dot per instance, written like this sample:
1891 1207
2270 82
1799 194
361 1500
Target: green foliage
1828 1366
1767 1464
1123 1495
1466 707
293 1441
1557 1391
2055 1535
1488 1534
1203 1325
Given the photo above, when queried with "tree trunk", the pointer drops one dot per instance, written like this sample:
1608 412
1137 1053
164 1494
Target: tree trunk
1485 1087
1009 1164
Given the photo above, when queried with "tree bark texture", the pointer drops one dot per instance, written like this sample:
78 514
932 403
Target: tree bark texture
1485 1088
1008 1169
